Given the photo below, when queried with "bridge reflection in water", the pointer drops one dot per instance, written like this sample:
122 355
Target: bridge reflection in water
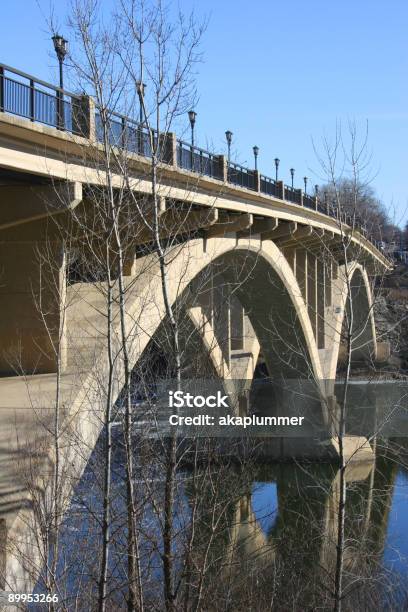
274 540
283 535
279 520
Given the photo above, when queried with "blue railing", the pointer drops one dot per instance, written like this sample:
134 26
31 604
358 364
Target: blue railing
269 186
124 133
309 201
44 103
293 195
241 176
198 160
38 101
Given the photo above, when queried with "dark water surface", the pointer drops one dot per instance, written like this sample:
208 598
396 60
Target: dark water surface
274 546
247 534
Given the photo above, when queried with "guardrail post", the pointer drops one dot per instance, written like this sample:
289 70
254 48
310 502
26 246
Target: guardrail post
83 117
280 189
257 180
168 148
222 163
32 110
1 88
300 197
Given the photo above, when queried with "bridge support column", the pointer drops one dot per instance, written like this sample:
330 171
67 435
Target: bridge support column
301 272
320 291
290 255
312 290
236 324
31 294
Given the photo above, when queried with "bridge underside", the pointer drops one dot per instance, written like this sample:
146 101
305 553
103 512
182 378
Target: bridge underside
33 252
253 292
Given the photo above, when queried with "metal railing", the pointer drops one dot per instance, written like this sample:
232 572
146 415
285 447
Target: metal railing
309 201
125 133
23 95
198 160
293 195
241 176
38 101
269 186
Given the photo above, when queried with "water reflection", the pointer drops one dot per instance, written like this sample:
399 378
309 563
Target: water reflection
249 536
287 524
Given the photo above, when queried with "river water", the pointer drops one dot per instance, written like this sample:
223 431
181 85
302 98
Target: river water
248 534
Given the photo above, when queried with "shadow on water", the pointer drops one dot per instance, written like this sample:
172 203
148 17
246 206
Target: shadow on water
249 534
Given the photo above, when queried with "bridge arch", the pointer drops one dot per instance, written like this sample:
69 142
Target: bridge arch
271 287
364 344
267 289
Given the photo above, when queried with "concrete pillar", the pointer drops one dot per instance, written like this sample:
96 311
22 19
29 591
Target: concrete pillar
222 167
383 352
290 255
320 292
301 272
168 147
280 185
222 320
83 118
311 291
257 181
129 262
31 291
328 284
236 324
205 299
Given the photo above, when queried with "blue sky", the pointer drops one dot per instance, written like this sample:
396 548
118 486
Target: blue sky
279 74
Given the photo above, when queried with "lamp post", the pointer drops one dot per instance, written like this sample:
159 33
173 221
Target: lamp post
292 174
277 160
317 191
228 136
140 88
256 151
61 49
192 116
305 182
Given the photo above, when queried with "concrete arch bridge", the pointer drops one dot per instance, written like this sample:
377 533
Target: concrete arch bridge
257 268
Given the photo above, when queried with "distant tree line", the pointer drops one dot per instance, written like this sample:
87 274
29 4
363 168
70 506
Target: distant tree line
360 200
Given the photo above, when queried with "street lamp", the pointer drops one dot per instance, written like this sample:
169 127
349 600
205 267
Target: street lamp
192 116
61 49
292 174
228 136
140 88
305 182
277 160
256 151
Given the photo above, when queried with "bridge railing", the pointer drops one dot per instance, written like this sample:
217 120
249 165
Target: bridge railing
123 132
23 95
269 186
241 176
198 160
309 201
293 195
